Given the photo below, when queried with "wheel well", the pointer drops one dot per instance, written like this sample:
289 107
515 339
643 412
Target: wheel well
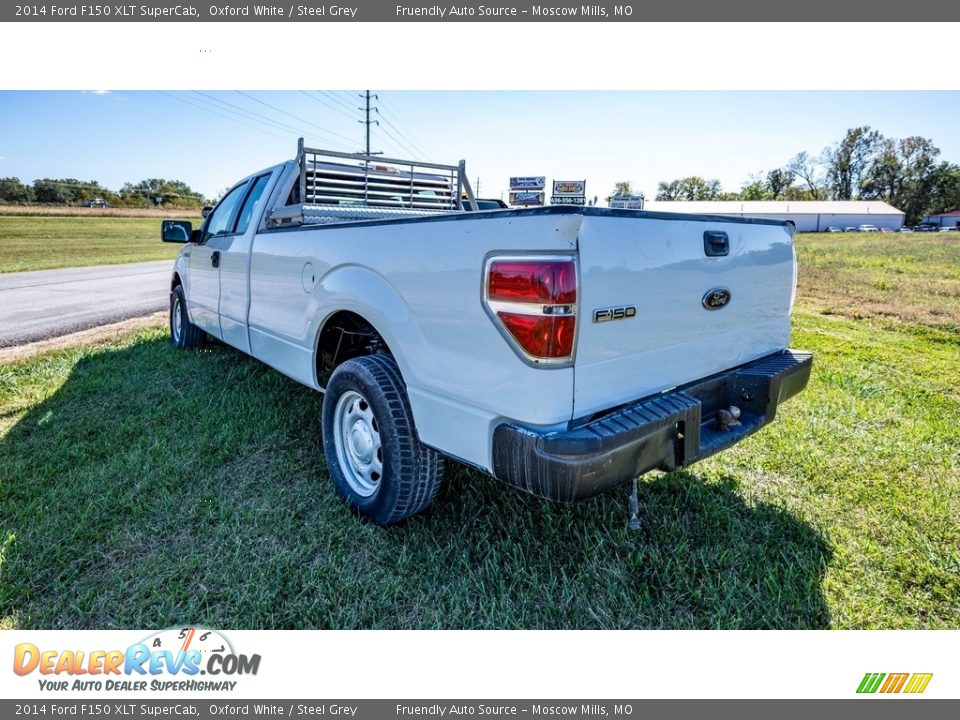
175 282
345 335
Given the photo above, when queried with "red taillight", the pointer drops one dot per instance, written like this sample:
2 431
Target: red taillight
553 282
535 301
544 336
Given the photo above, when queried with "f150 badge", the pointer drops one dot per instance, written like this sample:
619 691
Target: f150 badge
716 298
614 313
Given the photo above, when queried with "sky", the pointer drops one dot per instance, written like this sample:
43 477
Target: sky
211 139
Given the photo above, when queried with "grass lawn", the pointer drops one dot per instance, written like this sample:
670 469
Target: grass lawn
44 243
145 487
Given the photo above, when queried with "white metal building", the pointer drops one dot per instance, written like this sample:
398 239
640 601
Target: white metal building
947 220
807 215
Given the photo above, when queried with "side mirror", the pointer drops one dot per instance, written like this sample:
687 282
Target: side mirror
176 231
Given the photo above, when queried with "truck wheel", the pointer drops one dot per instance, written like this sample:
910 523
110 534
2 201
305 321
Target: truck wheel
183 333
373 453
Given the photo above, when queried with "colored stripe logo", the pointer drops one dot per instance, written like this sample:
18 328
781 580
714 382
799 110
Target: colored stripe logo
914 683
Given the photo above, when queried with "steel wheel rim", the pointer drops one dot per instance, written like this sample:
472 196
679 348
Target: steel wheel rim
177 321
356 435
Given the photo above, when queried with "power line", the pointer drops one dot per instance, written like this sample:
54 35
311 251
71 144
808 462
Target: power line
257 117
402 122
323 102
350 95
336 99
295 117
406 148
218 111
219 114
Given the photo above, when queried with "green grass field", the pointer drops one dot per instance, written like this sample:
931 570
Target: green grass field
44 243
145 487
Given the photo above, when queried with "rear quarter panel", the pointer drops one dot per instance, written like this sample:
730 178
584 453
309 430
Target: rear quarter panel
419 283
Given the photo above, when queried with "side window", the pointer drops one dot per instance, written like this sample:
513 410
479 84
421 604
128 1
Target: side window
218 222
246 213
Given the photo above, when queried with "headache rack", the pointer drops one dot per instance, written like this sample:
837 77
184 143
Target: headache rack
344 187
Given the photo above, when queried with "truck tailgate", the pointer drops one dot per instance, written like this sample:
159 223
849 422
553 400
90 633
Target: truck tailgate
659 265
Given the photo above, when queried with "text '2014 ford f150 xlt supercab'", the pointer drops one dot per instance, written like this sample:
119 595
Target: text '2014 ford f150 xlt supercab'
563 350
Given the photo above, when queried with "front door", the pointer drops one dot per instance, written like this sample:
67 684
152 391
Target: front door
203 288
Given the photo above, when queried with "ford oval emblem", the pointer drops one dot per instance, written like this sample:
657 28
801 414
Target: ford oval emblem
716 298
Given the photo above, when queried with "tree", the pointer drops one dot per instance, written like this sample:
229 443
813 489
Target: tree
902 173
778 182
12 190
808 171
689 188
756 189
623 187
61 191
884 178
173 193
944 189
848 160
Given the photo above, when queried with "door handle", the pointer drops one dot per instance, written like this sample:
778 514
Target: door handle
716 243
215 259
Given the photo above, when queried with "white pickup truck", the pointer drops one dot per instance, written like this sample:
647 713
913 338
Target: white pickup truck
563 350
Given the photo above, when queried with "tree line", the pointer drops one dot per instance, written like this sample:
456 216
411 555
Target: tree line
69 191
862 165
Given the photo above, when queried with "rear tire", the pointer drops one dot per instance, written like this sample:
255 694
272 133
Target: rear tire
183 333
374 455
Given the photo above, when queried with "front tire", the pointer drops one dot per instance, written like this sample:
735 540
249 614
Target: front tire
183 333
374 455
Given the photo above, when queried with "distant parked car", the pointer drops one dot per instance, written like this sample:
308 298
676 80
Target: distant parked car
95 203
868 228
906 229
886 230
851 229
926 227
949 229
207 209
833 228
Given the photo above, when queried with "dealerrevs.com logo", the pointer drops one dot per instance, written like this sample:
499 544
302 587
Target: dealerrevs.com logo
909 683
169 660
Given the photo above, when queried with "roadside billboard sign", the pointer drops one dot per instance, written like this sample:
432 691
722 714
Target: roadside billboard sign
531 182
527 197
570 188
627 202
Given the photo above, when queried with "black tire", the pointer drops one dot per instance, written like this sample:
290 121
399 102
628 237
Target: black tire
373 452
183 334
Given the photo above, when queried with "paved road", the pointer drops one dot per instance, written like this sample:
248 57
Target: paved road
48 303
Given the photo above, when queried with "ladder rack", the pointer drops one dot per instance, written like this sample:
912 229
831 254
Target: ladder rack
342 187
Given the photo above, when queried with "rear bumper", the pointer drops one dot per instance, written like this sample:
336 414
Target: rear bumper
667 431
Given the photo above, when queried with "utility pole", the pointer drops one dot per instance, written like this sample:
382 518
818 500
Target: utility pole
368 122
